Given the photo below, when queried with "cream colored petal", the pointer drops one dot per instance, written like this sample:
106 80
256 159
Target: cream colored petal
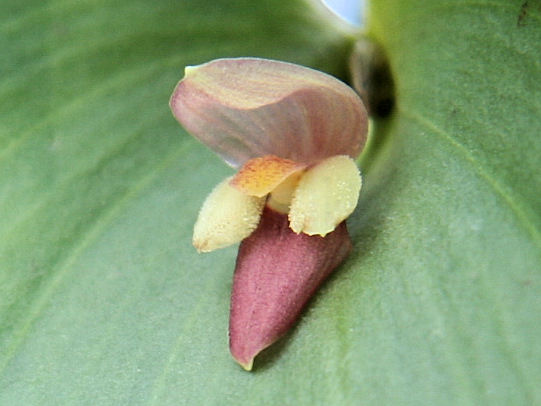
245 108
326 195
227 217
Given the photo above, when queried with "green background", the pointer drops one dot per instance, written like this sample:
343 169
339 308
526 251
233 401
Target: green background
103 300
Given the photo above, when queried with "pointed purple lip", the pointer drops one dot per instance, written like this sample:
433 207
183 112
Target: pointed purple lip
277 272
245 108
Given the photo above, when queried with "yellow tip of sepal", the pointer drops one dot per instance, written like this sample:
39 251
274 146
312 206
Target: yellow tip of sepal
188 69
247 366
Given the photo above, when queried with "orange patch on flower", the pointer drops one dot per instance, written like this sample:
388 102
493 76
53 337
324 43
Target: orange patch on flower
260 176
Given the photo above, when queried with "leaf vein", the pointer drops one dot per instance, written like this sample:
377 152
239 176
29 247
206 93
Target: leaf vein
495 185
66 266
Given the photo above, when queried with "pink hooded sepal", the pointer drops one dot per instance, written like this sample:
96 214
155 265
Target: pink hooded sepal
277 272
244 108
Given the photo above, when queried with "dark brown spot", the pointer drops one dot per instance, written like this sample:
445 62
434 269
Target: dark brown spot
523 14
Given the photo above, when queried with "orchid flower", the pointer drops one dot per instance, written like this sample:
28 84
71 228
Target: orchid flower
292 133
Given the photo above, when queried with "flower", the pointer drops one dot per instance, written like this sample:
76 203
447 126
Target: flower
292 133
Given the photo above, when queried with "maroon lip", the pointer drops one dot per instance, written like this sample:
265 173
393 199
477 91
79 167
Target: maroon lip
277 272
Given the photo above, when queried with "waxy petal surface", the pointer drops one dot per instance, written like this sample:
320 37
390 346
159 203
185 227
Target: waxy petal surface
260 176
325 196
277 272
227 217
245 108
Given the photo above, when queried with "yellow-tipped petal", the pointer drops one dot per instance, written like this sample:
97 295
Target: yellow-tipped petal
260 176
227 217
326 195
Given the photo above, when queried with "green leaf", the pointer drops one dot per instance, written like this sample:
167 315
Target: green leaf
103 301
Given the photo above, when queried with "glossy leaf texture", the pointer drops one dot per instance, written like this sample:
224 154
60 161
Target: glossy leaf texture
103 300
